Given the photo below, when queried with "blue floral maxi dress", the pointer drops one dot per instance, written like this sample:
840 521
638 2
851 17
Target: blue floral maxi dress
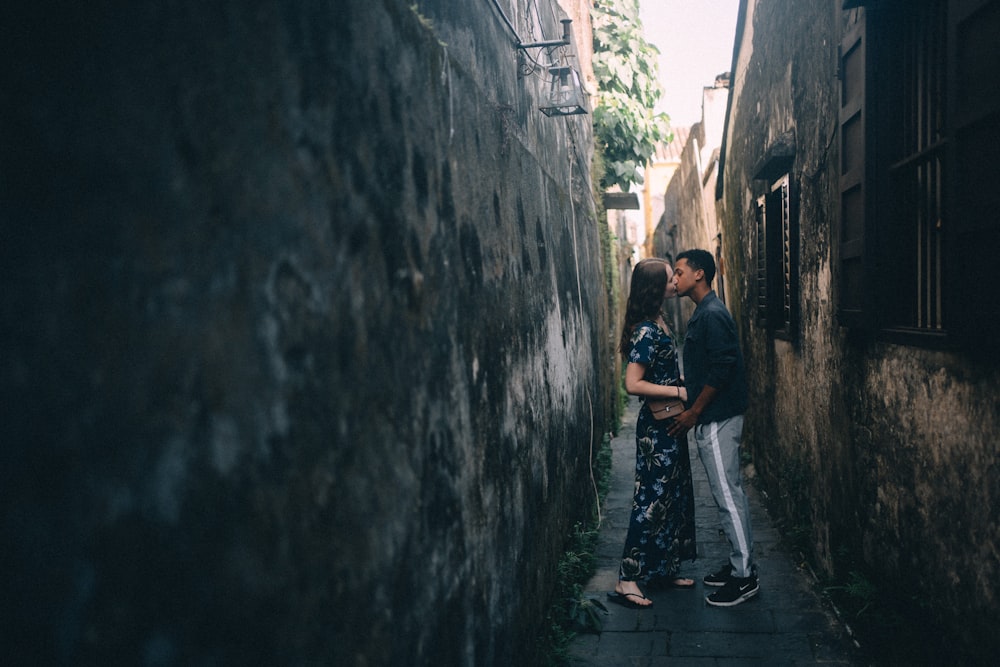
661 530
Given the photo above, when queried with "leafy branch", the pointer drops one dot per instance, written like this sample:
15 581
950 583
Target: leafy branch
625 127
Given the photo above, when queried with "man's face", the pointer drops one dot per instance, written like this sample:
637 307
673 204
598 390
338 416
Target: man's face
684 277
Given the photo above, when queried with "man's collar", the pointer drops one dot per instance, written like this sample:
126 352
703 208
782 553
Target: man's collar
709 295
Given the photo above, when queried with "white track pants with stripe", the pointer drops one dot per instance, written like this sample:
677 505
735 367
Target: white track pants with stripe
719 449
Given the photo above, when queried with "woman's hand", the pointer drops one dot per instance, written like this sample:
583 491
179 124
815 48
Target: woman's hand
682 393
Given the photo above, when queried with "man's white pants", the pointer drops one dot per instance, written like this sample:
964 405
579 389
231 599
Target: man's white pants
719 449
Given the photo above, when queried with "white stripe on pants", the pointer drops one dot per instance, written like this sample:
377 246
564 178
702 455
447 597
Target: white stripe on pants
719 450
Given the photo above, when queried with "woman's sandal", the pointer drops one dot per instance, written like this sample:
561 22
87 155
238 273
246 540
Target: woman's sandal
624 599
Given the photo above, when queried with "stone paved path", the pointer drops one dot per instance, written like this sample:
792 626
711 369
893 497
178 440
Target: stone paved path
785 624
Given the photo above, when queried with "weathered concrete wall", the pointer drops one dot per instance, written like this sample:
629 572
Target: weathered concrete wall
847 435
686 210
304 334
689 217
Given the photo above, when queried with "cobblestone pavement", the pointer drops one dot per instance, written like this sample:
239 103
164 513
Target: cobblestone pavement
785 624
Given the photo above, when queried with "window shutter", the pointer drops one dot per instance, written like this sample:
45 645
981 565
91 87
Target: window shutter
972 312
853 186
761 291
776 297
784 266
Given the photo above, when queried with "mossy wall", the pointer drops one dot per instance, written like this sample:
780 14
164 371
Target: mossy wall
305 334
883 453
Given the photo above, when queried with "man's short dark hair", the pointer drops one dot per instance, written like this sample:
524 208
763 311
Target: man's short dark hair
700 259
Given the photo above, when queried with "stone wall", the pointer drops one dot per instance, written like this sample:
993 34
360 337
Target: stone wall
843 431
689 218
305 333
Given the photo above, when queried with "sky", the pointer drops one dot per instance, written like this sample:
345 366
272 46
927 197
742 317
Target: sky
695 39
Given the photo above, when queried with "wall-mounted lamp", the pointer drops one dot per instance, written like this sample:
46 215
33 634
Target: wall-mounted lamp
565 95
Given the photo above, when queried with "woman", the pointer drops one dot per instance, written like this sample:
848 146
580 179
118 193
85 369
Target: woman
661 527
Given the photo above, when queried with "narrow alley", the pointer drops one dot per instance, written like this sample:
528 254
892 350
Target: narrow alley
785 624
312 316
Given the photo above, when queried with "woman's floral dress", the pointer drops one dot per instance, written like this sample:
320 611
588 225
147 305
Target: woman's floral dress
661 530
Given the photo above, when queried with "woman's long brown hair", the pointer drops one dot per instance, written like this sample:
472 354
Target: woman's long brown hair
645 297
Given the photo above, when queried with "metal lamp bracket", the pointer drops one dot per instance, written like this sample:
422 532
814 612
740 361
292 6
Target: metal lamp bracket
567 37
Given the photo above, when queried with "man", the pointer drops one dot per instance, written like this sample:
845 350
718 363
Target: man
717 398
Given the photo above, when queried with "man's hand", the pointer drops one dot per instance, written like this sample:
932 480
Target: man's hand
683 423
686 420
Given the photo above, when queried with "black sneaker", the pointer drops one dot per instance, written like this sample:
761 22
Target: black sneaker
719 578
734 592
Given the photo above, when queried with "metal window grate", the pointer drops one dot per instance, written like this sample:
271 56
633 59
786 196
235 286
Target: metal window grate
914 245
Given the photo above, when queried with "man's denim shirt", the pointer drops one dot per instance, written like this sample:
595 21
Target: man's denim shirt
712 357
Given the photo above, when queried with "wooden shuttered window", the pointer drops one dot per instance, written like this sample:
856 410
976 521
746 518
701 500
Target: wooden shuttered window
777 298
761 301
920 172
853 74
784 253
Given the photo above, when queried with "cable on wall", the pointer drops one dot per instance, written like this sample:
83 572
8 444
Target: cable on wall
507 21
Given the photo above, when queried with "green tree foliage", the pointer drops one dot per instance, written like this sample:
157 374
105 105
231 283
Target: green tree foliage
625 127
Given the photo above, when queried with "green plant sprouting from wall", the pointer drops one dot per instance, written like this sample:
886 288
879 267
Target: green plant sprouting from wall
626 128
572 610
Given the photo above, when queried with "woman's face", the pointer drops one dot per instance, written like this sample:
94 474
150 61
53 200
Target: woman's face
671 289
